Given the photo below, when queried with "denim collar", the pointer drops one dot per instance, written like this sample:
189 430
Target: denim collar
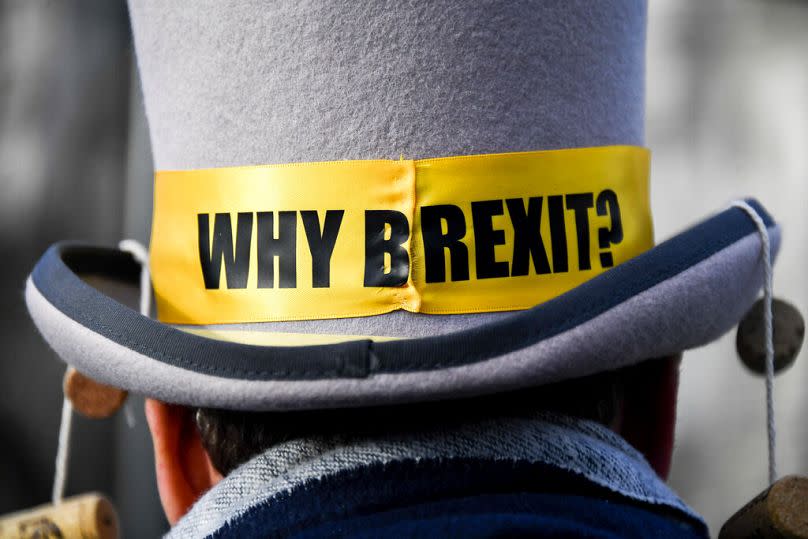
577 446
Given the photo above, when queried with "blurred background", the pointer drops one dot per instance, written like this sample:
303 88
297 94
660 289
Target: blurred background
727 102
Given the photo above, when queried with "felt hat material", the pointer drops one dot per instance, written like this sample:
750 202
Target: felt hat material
295 81
309 81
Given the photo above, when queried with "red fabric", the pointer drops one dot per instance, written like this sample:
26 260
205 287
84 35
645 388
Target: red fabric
649 411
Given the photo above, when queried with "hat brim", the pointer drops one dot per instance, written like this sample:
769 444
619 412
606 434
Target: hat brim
681 294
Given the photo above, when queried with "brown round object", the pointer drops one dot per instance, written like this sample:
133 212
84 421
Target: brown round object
788 331
90 398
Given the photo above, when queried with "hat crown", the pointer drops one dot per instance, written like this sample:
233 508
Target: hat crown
294 81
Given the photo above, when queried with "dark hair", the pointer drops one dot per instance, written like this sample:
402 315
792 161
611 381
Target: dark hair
233 437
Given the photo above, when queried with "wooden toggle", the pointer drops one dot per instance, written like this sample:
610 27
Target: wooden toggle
779 512
89 516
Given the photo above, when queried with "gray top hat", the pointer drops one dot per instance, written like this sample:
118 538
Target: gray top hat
295 82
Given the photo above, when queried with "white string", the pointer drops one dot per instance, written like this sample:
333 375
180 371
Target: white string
141 255
62 450
763 232
129 415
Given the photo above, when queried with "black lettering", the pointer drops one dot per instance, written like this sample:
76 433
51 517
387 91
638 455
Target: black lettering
376 246
580 203
436 242
486 238
527 241
283 247
607 236
321 244
236 263
558 233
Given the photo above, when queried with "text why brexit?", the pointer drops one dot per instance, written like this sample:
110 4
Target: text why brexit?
445 230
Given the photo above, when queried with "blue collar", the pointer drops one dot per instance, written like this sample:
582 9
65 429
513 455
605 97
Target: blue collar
584 449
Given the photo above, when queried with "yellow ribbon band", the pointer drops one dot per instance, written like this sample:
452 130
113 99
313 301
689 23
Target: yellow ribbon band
355 238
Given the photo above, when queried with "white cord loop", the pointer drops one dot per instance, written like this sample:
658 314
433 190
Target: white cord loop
763 232
141 255
62 450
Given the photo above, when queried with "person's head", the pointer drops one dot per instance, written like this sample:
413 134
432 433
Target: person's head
195 447
419 93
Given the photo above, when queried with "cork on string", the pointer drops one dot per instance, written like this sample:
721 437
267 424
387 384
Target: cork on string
90 398
89 516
